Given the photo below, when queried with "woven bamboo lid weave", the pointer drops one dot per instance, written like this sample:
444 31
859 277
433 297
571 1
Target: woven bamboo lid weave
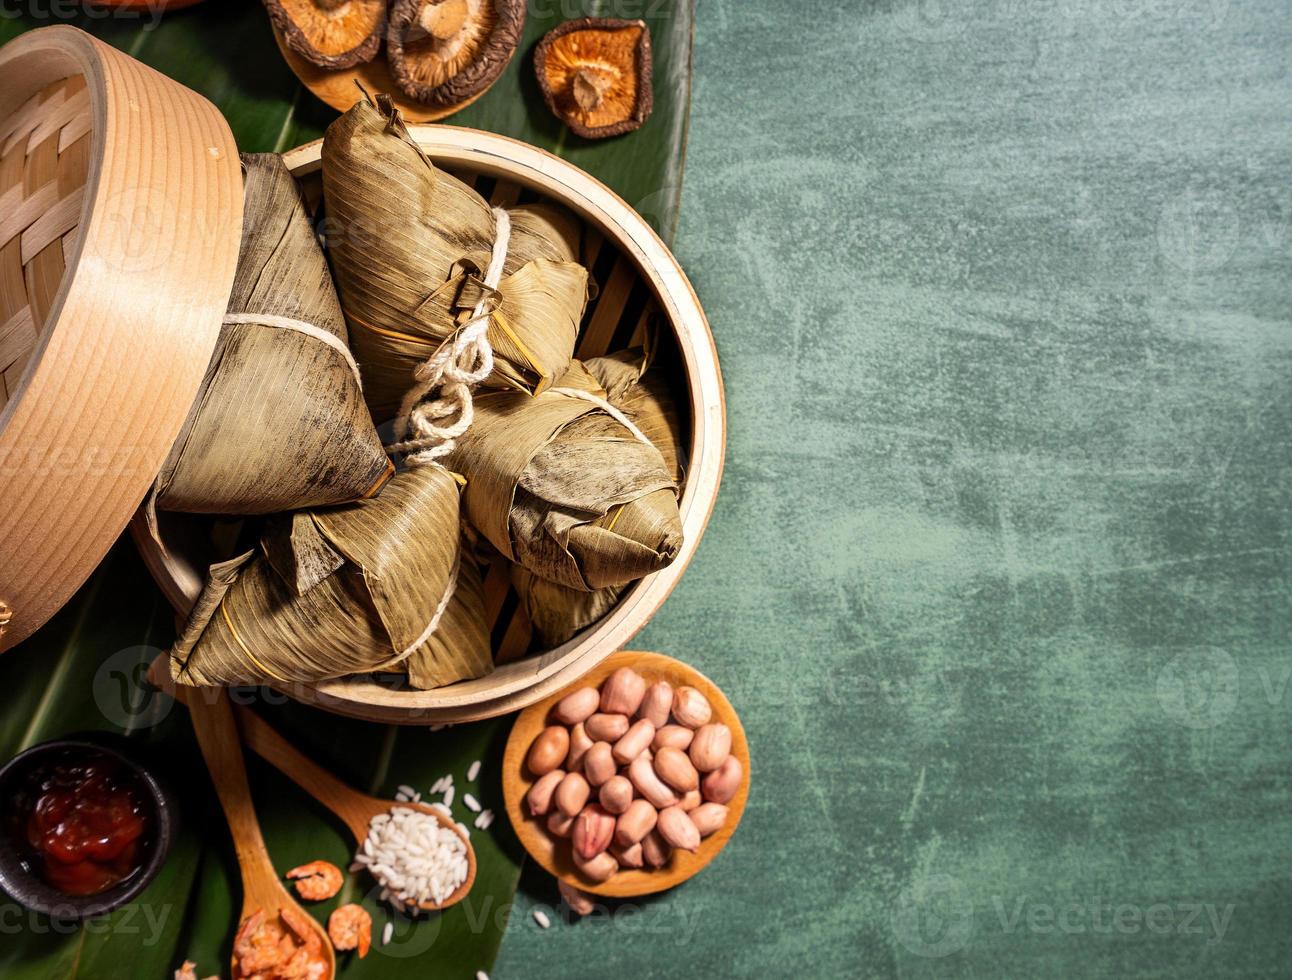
120 216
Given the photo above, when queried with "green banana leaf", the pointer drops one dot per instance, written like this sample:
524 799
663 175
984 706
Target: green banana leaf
84 671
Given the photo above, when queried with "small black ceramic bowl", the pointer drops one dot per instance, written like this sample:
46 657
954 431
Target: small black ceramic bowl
18 874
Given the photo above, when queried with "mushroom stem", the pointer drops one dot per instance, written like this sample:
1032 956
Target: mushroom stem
444 19
589 88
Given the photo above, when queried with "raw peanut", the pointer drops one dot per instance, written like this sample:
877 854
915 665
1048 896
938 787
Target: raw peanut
580 742
637 739
655 850
708 817
600 867
559 825
616 793
593 830
571 794
636 822
549 750
577 706
673 736
691 800
677 829
673 766
599 763
628 857
643 777
580 903
606 728
711 746
539 797
657 703
622 692
720 786
691 708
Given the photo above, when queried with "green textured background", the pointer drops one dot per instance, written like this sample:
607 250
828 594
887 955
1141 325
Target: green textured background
999 576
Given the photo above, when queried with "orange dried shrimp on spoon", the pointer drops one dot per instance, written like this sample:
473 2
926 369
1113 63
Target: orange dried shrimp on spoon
317 880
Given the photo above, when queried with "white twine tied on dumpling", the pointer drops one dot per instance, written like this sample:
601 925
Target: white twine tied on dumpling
299 326
605 406
438 409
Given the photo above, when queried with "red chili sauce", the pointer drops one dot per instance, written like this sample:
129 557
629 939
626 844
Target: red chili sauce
87 819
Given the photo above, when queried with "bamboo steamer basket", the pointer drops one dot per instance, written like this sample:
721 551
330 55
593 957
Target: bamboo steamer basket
640 281
120 204
125 304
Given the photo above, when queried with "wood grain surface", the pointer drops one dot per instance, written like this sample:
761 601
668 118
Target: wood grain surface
122 339
262 888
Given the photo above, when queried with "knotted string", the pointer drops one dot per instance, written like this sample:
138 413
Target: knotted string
438 409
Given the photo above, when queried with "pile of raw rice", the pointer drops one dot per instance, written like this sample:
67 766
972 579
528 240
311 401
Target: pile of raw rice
413 856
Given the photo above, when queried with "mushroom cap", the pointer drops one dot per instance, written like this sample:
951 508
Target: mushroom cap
330 33
443 52
595 74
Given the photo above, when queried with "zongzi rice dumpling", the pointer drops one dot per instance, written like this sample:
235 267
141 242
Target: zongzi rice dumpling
644 394
556 613
460 649
411 244
280 421
558 484
348 589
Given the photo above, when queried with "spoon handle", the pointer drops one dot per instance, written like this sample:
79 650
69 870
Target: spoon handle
353 807
217 735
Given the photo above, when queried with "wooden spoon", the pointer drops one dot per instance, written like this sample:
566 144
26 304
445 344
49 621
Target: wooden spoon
217 734
355 809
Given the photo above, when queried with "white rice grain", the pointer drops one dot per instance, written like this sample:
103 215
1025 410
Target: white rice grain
481 975
414 857
471 802
448 796
387 933
474 771
541 918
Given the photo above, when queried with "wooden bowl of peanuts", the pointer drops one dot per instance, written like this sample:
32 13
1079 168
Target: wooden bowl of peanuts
630 781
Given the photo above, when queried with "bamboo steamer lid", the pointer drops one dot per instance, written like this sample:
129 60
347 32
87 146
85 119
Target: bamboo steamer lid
120 218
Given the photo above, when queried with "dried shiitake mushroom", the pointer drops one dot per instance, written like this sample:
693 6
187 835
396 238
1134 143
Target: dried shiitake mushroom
330 33
443 52
595 74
